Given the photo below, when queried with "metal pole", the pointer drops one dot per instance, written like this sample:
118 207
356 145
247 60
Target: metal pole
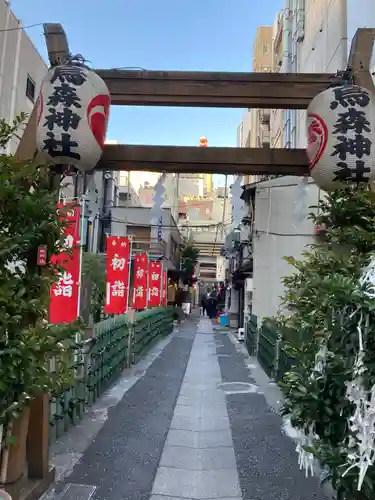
129 269
147 280
82 225
129 353
161 284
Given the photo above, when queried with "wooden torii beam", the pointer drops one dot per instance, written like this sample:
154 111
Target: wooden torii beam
214 89
177 159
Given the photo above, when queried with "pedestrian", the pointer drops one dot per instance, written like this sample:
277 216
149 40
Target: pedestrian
178 304
204 305
186 302
212 303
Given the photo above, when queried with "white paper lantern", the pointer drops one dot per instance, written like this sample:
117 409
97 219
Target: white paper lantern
340 137
73 112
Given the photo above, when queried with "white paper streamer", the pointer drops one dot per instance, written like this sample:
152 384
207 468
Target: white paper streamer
158 200
362 423
306 460
238 205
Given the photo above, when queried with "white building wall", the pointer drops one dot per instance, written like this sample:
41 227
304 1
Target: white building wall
328 31
18 60
275 237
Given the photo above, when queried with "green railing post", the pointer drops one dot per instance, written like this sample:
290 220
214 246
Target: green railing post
275 370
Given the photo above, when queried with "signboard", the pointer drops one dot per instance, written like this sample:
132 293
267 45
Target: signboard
140 281
64 293
117 276
41 258
154 284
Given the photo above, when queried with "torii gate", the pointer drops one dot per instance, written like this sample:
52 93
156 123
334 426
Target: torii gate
203 89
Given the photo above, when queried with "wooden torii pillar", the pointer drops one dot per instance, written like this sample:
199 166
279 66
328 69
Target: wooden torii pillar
245 90
40 474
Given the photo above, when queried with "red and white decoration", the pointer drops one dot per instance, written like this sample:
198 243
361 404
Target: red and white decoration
154 284
117 280
140 281
64 293
73 112
340 137
164 300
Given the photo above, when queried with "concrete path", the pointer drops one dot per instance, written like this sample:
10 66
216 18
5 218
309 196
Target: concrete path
198 458
196 423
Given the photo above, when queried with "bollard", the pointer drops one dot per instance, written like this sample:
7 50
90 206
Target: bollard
277 356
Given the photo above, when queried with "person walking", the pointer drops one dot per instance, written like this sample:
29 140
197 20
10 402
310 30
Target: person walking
186 302
178 303
212 303
204 305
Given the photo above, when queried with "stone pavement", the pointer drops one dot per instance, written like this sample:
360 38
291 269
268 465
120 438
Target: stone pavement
194 421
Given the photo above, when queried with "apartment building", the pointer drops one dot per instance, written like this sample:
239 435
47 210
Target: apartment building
308 36
21 69
254 129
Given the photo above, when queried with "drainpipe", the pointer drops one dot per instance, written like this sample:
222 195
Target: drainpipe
4 47
344 46
13 98
287 64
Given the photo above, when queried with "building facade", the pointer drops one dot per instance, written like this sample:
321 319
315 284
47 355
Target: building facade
135 223
205 220
21 69
307 37
254 129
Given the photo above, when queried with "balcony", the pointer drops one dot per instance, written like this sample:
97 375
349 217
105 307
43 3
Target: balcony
265 116
149 245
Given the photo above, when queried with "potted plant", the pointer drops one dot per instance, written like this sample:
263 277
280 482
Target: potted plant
28 219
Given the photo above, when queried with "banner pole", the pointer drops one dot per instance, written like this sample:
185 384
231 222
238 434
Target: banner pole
129 269
161 284
147 280
82 226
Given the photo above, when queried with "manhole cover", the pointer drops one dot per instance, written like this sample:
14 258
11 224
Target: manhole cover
238 387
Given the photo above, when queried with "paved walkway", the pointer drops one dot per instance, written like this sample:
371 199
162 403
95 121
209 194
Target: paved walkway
169 431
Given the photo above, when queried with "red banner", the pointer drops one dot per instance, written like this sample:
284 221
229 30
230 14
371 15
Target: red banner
140 281
117 279
154 284
165 289
64 293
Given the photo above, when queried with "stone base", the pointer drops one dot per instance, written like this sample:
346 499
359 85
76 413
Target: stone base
30 489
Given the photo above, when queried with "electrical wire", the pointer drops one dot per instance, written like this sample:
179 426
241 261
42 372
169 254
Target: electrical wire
257 231
21 27
280 186
204 226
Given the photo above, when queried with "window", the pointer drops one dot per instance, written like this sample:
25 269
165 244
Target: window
265 49
30 88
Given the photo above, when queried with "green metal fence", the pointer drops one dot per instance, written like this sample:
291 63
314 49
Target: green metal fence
252 335
266 343
266 351
98 361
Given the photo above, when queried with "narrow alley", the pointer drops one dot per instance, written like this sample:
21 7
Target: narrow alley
190 421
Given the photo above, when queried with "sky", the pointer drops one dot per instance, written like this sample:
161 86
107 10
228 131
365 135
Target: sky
208 35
